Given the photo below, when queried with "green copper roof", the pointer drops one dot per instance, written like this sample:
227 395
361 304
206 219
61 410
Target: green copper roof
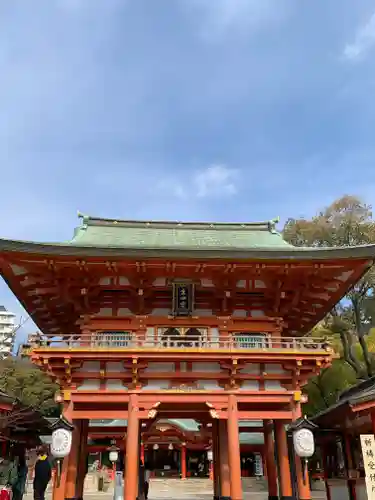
251 438
109 238
187 424
185 235
108 423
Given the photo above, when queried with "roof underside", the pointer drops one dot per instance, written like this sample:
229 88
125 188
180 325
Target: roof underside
301 284
190 425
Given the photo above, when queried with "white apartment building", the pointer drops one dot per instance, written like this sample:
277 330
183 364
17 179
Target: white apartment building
7 332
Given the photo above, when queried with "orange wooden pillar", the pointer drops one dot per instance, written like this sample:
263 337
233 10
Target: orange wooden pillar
286 491
302 474
264 463
183 461
58 492
269 452
234 449
82 465
303 482
211 470
142 453
73 462
216 458
132 451
224 461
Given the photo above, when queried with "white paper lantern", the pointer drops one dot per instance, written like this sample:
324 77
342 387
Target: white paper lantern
304 444
209 455
61 443
113 456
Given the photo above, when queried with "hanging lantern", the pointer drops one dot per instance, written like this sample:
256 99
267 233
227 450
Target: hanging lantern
113 453
303 437
170 446
61 438
155 447
61 442
209 455
304 443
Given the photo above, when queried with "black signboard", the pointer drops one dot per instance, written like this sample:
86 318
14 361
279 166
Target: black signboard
182 299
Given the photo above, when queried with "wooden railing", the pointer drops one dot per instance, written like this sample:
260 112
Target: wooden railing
129 340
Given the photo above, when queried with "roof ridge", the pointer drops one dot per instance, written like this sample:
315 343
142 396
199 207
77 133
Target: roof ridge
269 225
362 386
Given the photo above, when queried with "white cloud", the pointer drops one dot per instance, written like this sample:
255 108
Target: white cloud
216 180
364 41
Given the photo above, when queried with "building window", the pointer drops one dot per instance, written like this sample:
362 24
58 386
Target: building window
113 339
250 340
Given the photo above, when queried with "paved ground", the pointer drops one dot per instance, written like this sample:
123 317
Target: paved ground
190 489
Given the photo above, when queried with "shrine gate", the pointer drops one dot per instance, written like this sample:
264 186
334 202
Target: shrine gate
150 321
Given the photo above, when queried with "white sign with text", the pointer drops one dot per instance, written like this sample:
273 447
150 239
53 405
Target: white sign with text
368 454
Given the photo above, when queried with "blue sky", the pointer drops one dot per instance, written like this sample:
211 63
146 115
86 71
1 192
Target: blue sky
181 109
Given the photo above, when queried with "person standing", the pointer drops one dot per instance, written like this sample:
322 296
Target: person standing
147 479
19 482
141 481
42 474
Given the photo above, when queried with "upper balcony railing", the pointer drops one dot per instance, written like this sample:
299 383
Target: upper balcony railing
133 340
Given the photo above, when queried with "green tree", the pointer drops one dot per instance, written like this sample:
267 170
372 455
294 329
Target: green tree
21 379
346 222
325 389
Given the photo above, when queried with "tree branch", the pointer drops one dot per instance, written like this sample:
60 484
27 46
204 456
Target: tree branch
321 393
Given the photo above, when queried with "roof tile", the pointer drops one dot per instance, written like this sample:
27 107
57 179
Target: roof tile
187 235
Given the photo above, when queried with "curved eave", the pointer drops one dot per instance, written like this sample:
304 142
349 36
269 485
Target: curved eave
282 253
300 319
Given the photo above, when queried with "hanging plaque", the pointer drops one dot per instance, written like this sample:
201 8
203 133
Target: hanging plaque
182 299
